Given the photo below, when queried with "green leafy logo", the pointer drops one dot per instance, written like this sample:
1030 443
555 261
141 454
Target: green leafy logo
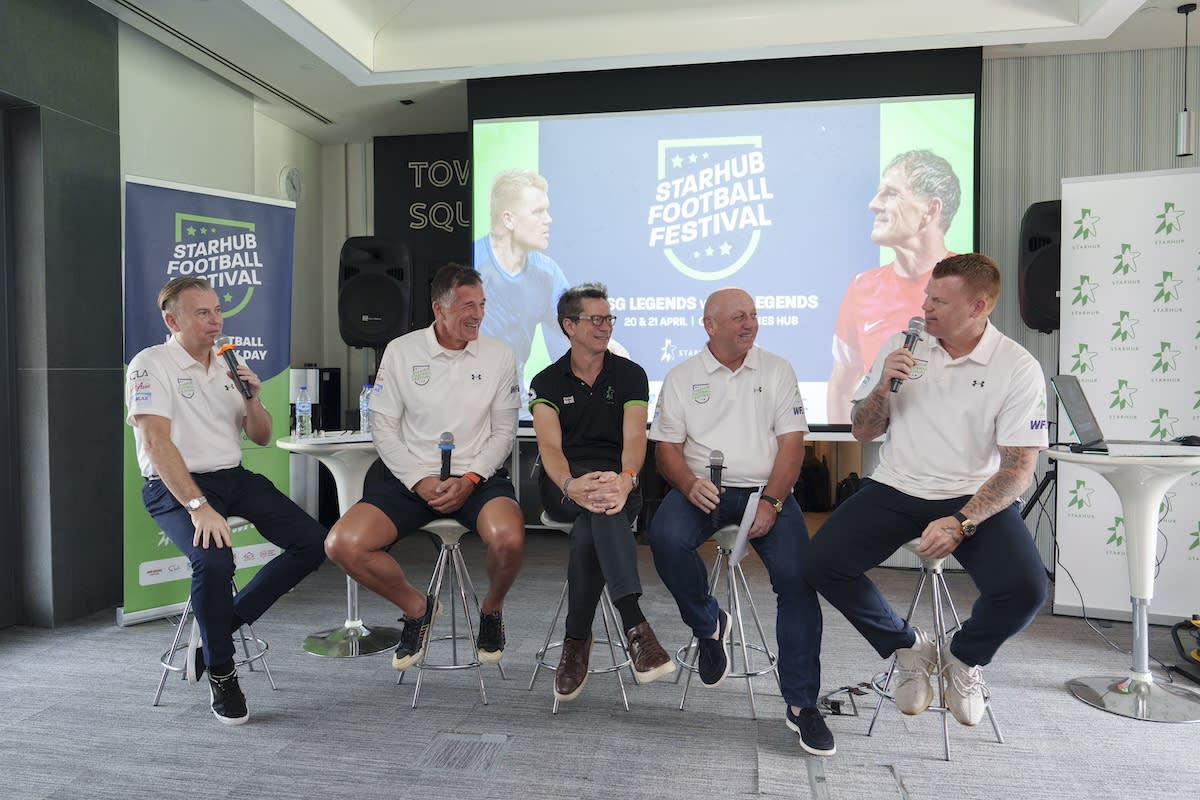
1126 260
1124 327
1085 226
1123 395
1117 532
1168 221
1168 288
1164 359
1083 360
1081 495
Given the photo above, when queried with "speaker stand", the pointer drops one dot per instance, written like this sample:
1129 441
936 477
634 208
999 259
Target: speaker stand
1051 477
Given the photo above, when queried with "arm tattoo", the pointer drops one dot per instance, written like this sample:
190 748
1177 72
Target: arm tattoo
870 416
1006 485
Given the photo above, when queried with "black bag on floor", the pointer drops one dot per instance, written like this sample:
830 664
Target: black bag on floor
815 485
846 487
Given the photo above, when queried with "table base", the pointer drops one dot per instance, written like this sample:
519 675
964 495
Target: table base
350 641
1126 697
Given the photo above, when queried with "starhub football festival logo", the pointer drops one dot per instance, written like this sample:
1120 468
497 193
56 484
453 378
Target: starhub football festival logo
1116 532
711 204
1195 545
225 251
1082 360
1085 292
1085 226
1080 496
1168 220
1122 395
1126 260
1124 327
1164 425
1165 359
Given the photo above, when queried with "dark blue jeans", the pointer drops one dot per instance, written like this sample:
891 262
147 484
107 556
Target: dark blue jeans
877 520
238 492
679 527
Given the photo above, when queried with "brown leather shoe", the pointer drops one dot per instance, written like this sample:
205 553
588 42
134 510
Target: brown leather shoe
572 669
650 660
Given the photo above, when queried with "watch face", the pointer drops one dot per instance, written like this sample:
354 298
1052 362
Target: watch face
968 528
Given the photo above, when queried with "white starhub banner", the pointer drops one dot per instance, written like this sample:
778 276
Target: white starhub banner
1130 331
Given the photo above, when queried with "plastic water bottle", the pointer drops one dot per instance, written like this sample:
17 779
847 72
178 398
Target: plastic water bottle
364 408
304 426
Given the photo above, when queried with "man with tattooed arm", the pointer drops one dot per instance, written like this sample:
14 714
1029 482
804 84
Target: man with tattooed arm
963 434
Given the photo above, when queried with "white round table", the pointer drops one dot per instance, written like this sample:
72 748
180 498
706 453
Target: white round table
1140 483
348 462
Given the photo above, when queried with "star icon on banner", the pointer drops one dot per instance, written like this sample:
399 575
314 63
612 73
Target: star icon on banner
228 297
708 251
1118 532
726 248
1168 288
191 230
677 161
1168 221
1122 395
1085 292
692 158
1124 327
1165 358
1164 425
204 230
1126 261
1081 495
1086 224
1083 360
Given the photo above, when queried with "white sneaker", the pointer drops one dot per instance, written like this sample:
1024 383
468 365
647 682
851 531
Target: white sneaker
194 655
966 693
914 668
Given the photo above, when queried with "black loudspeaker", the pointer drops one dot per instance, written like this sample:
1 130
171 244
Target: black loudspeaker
1039 266
374 291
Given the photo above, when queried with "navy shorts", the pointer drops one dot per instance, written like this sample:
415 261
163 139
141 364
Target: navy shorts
408 512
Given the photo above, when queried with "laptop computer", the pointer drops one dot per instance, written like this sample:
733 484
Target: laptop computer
1091 440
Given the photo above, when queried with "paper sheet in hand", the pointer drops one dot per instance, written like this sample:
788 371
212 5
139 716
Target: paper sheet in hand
741 545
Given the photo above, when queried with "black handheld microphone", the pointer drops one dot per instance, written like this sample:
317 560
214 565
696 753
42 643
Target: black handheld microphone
224 347
716 465
446 444
916 326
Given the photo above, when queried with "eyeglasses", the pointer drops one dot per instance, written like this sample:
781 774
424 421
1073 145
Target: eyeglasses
597 319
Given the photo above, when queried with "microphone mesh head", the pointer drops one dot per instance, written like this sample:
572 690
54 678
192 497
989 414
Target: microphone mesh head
446 438
716 458
222 343
916 325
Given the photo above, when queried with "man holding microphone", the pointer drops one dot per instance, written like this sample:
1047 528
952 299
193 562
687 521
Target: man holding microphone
188 412
744 402
446 378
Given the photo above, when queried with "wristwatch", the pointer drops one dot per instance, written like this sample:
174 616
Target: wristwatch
775 504
968 525
195 503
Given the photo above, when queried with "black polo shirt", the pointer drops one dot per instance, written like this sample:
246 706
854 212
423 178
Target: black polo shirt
591 417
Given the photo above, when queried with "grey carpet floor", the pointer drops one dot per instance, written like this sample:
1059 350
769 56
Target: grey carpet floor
78 720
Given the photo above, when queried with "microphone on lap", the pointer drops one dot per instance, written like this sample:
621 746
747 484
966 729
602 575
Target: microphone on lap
224 347
716 465
916 327
446 444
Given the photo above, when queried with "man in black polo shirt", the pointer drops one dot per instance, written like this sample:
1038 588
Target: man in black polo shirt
589 414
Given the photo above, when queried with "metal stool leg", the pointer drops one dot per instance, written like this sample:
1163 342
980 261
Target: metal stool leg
539 659
692 649
883 691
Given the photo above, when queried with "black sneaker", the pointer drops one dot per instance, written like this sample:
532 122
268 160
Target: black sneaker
713 660
815 737
414 637
228 702
194 663
491 637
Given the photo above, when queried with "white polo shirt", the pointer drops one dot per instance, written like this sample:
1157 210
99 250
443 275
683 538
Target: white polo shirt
950 418
205 407
431 390
707 407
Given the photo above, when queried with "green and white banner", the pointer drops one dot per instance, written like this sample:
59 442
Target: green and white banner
243 246
1130 331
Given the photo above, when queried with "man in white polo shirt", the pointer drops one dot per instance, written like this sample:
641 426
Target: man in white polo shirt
963 433
188 417
744 402
444 378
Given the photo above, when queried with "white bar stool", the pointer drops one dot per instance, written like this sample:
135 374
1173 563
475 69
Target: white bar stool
735 587
450 564
248 659
618 648
940 600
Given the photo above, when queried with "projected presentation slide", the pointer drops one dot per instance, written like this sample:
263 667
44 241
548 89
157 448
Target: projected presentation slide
665 207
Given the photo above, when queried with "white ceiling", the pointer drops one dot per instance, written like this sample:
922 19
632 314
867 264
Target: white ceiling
336 70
